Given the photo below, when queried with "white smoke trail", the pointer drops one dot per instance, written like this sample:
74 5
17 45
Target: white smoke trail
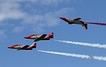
75 55
84 44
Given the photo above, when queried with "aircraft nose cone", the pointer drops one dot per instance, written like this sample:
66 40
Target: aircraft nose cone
62 18
11 47
27 37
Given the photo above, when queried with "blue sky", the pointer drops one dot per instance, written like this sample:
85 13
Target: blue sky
19 18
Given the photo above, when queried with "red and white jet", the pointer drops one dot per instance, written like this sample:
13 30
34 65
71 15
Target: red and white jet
75 21
38 37
23 47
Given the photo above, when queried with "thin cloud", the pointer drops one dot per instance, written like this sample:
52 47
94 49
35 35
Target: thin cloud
41 2
13 10
47 19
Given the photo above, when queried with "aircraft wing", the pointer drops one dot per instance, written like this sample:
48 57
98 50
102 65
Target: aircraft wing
76 19
41 37
26 46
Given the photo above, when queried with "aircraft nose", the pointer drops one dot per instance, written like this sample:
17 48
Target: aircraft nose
27 37
62 18
11 47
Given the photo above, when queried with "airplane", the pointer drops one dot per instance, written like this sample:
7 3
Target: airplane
75 21
38 37
23 47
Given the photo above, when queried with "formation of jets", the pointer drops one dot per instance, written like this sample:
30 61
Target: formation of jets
35 37
38 37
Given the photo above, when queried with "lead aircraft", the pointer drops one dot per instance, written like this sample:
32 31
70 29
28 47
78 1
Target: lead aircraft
38 37
23 47
75 21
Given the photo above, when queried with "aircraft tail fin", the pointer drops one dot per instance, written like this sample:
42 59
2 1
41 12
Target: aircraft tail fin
33 45
86 26
51 35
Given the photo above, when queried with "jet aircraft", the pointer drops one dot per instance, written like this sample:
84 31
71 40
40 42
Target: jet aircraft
23 47
38 37
75 21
